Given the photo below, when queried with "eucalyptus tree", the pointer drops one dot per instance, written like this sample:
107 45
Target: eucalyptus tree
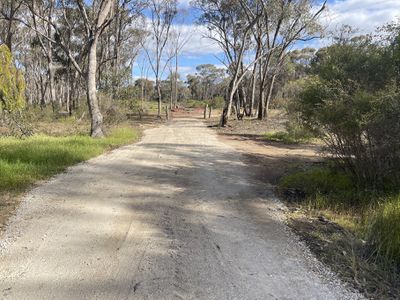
119 47
230 29
284 23
209 76
162 15
177 42
9 12
66 23
265 30
206 82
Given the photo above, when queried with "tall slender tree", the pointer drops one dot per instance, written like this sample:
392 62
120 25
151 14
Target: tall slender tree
162 14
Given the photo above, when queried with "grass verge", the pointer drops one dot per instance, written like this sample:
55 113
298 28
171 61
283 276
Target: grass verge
354 230
283 137
23 162
290 137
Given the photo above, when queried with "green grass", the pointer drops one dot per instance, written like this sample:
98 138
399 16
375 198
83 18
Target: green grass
384 228
288 138
318 183
281 137
373 216
23 162
192 103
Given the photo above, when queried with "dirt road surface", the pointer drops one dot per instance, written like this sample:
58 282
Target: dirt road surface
176 216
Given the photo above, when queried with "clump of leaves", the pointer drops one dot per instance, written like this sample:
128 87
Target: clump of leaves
12 85
12 91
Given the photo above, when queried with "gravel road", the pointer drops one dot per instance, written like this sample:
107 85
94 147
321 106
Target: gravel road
176 216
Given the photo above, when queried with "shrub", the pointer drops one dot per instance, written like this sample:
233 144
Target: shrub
217 102
192 103
353 102
360 129
12 85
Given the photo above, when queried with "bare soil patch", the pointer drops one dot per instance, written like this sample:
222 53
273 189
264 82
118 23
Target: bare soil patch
8 205
271 160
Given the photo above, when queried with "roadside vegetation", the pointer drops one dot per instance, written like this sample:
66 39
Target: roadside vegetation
24 162
355 230
351 101
291 135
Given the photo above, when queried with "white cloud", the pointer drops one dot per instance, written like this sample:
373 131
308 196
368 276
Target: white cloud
365 15
197 41
186 70
195 36
136 77
184 3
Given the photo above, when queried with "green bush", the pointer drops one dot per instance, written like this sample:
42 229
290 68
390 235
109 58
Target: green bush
353 103
12 84
192 103
360 129
217 102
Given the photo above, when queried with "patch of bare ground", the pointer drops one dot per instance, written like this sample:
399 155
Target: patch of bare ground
271 160
336 247
8 205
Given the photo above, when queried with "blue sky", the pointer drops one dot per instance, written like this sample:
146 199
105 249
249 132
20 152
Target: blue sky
365 15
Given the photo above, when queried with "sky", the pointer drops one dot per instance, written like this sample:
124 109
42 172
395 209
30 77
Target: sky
364 15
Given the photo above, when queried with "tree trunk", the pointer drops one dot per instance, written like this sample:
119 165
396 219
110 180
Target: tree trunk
68 94
260 110
228 105
50 63
158 97
176 81
261 105
171 96
141 93
9 34
253 90
9 37
94 110
269 96
52 86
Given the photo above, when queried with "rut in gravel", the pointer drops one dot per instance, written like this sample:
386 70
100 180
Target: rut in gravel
176 216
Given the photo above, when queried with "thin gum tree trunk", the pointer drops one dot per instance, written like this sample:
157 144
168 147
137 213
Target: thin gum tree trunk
269 96
159 99
94 110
